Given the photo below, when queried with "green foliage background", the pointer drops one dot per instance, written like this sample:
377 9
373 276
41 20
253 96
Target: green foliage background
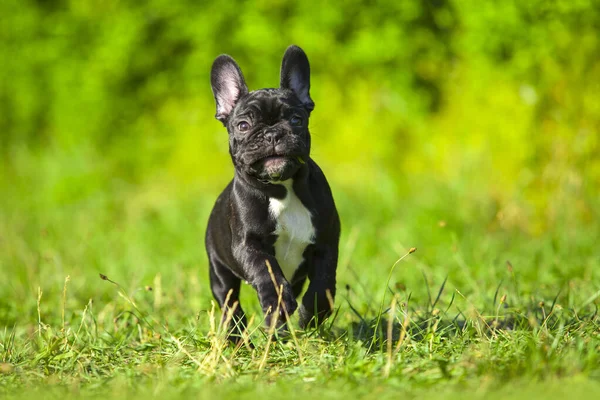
501 97
481 117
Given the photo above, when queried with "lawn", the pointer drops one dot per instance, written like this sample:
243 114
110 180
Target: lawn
475 309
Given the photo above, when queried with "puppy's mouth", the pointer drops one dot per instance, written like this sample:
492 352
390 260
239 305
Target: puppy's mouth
273 160
277 167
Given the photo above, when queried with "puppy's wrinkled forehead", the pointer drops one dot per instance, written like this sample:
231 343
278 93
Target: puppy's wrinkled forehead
269 105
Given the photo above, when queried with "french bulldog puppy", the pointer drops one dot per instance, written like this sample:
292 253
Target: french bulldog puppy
278 208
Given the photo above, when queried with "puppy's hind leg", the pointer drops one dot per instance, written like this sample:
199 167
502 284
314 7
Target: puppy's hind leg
225 287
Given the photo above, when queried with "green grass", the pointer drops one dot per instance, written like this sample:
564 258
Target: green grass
479 308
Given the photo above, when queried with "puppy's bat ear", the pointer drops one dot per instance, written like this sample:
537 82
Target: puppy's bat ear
295 75
227 84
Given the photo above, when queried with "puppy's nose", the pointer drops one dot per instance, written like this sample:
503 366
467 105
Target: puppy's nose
272 137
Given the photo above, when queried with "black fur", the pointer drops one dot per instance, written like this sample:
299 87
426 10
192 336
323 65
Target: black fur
269 124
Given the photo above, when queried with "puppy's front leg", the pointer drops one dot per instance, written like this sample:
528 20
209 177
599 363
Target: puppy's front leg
317 301
253 259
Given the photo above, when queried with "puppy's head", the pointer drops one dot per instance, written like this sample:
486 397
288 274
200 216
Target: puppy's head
268 128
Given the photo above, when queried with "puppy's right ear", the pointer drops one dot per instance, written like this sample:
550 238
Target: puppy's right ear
227 84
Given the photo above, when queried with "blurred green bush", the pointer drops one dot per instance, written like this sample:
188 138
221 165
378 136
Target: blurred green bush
496 102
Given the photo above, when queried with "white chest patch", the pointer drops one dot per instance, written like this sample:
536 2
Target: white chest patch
294 230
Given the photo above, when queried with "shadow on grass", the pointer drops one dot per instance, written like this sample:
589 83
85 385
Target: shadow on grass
402 320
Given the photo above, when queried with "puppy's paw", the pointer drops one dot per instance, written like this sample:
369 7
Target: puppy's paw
309 320
274 308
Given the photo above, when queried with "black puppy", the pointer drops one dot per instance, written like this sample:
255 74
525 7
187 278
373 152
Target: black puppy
278 207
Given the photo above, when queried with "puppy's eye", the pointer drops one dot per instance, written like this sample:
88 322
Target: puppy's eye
296 121
243 126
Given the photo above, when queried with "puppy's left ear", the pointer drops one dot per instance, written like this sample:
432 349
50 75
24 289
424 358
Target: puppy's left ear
295 75
227 84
